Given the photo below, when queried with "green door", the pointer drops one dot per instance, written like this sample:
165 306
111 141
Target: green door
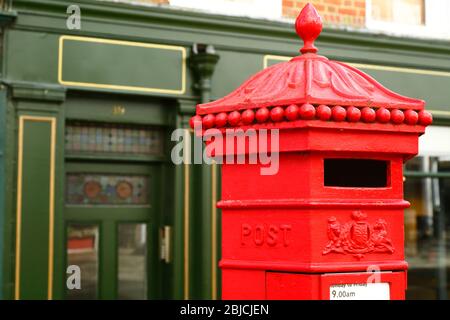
112 223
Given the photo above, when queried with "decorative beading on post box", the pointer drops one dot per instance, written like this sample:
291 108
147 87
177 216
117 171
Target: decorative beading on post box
332 214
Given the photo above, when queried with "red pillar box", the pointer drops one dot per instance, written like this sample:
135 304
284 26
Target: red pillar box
329 223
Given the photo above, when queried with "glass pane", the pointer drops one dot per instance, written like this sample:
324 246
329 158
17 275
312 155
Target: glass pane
107 138
82 261
106 189
427 231
132 261
401 11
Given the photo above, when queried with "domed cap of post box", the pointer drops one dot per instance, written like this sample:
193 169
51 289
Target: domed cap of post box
310 87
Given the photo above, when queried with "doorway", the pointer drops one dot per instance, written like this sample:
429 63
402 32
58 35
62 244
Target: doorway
112 224
112 210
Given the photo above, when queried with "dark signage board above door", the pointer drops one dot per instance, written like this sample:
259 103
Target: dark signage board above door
121 65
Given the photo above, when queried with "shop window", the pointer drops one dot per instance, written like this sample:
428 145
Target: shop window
107 138
250 8
356 173
427 226
106 189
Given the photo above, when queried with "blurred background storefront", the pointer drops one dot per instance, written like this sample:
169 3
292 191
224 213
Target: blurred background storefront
92 105
427 221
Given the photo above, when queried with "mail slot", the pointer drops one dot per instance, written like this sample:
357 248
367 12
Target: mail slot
328 224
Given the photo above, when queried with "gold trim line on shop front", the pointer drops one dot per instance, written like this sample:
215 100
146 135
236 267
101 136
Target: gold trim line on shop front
52 122
369 67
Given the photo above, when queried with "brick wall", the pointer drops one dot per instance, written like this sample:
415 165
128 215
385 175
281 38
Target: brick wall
334 12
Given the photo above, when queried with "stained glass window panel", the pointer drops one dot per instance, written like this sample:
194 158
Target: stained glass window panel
105 138
106 189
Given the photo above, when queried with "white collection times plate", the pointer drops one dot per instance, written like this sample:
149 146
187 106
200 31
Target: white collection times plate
360 291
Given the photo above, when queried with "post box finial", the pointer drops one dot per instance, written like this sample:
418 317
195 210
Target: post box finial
308 26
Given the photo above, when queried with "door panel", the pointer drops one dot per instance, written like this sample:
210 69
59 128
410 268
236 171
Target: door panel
82 251
117 202
132 256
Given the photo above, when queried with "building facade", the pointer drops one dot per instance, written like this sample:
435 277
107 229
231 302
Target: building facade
91 94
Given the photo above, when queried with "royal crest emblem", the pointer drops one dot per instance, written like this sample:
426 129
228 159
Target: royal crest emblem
358 237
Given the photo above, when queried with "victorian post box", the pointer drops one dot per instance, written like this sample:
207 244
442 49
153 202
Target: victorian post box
328 222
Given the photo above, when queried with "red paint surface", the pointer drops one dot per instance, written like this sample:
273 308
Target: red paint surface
81 243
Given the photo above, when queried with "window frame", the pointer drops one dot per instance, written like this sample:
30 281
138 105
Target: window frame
435 25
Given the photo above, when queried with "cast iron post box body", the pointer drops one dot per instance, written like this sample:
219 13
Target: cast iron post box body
333 213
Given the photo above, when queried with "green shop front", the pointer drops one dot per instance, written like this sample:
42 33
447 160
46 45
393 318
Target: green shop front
87 184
